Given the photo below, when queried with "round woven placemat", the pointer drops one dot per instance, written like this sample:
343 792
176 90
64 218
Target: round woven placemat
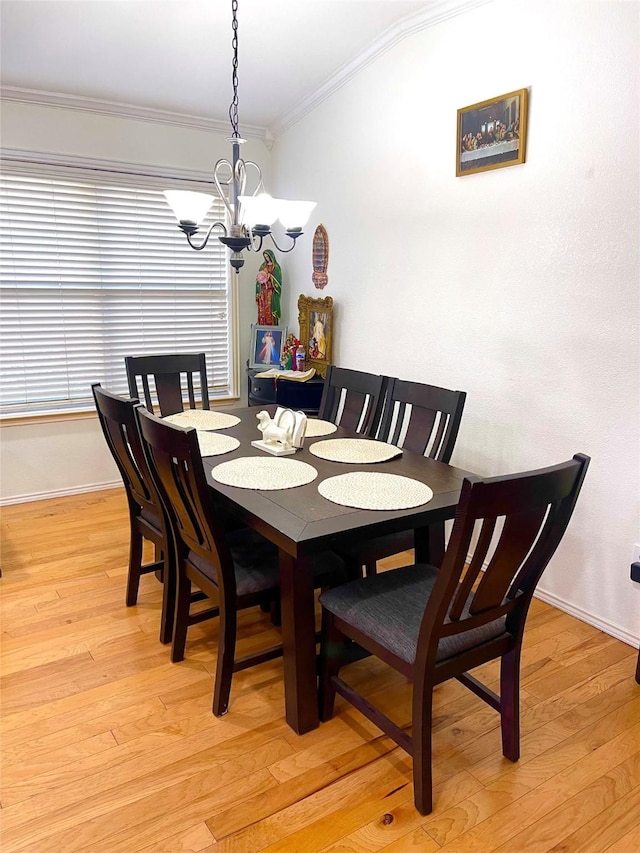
370 490
361 451
316 428
214 444
255 472
203 419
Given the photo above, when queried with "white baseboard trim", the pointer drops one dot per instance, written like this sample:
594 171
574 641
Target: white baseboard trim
583 615
590 618
60 493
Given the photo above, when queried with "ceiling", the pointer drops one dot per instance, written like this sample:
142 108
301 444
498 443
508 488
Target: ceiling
175 55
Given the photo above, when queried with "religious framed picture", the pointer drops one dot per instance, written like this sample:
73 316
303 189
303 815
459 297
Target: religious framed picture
315 318
492 134
266 346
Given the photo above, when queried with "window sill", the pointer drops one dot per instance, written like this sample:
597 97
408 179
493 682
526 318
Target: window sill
26 419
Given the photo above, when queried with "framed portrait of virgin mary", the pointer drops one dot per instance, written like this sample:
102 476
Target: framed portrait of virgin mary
315 318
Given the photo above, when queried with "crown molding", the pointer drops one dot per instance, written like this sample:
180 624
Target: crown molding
435 13
57 100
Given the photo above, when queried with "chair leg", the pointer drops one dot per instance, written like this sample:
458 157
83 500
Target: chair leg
226 655
510 704
638 668
159 558
276 611
135 566
329 665
371 568
168 601
181 618
422 749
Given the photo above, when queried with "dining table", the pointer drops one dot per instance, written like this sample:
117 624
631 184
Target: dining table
301 522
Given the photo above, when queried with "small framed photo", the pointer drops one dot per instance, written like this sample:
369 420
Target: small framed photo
315 317
266 346
492 134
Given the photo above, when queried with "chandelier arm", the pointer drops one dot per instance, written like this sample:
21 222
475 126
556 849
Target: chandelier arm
260 184
220 183
206 236
252 247
291 247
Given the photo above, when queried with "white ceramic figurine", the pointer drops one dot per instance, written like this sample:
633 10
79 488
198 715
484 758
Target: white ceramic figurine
283 434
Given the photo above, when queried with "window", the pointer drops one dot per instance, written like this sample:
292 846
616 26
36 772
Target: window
93 269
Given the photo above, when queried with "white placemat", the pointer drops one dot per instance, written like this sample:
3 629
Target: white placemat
356 450
370 490
316 428
203 419
214 443
256 472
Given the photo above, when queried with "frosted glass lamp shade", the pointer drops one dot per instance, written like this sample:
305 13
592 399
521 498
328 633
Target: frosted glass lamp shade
294 214
189 206
258 209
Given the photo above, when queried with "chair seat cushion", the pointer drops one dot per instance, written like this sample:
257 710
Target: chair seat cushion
389 608
255 561
151 518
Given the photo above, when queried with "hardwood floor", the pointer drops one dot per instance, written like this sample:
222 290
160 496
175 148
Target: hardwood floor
109 747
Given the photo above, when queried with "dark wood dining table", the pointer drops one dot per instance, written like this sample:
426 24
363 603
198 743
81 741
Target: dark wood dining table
301 522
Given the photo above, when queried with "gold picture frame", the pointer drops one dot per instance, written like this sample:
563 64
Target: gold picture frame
492 134
315 320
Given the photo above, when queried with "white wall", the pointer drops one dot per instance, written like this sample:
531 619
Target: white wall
518 285
39 458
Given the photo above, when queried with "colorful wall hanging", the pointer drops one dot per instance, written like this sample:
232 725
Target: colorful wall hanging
320 257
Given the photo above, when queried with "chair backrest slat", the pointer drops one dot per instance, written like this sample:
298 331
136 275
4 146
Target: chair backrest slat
518 536
422 418
474 568
146 390
167 372
352 399
192 398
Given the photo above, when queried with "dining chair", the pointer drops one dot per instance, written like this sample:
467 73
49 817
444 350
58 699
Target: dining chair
238 569
146 516
436 624
424 419
352 399
167 372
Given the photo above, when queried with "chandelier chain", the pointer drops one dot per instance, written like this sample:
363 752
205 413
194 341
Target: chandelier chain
233 109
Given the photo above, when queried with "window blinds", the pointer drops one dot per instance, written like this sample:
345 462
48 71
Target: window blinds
91 272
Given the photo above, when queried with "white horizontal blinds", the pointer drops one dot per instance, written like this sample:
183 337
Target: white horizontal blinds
91 272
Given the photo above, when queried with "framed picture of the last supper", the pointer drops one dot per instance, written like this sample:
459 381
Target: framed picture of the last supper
492 134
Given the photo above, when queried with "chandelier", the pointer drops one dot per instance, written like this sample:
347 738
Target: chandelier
251 216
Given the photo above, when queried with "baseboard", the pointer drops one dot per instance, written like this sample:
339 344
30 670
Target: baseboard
60 493
585 616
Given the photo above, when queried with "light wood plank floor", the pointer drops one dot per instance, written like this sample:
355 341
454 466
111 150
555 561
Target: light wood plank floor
108 747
